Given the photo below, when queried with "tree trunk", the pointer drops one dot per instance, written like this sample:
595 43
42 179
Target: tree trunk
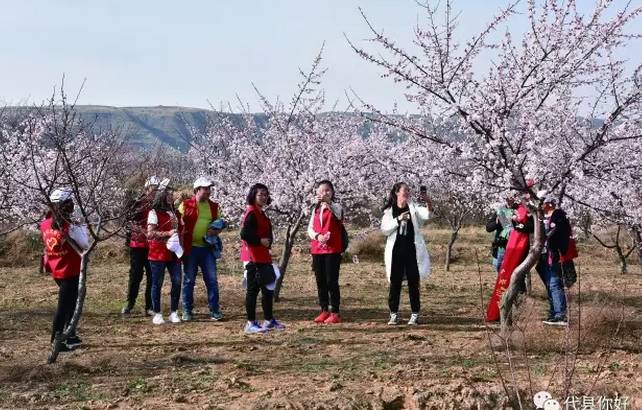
622 257
529 283
60 338
451 242
290 236
509 297
638 244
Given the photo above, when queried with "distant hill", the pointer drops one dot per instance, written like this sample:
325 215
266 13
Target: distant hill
145 126
172 126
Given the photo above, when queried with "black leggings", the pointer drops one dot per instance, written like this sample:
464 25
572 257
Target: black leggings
252 293
67 296
404 265
326 270
139 265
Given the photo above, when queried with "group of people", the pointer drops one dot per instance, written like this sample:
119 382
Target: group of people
181 239
513 225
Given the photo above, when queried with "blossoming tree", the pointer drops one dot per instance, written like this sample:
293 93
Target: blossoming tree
289 148
528 115
46 148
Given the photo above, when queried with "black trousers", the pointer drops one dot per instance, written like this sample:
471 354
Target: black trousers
326 270
138 264
252 293
67 297
404 264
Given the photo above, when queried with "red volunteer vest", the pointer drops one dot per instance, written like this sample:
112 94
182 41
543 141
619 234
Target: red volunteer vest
60 258
139 228
330 224
258 254
158 247
189 217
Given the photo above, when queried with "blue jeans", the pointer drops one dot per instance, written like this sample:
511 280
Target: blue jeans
158 274
497 262
551 276
204 258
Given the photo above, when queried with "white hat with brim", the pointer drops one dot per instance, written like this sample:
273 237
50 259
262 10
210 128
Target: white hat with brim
164 184
61 195
152 181
202 182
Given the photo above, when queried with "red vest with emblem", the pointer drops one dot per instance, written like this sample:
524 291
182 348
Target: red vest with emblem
158 247
139 225
189 217
328 223
60 258
251 253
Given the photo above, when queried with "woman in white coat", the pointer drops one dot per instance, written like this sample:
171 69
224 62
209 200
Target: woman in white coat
406 256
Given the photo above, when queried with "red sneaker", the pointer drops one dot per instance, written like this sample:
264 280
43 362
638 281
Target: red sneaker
322 316
334 318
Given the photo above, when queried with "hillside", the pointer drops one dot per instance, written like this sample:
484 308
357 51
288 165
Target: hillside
146 126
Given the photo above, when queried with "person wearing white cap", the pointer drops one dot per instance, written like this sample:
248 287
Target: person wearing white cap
138 247
196 214
63 244
162 225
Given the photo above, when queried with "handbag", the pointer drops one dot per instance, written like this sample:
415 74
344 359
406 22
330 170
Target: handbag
569 274
345 239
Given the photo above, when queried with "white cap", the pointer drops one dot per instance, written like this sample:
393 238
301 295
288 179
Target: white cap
202 182
541 194
174 245
61 195
152 181
163 184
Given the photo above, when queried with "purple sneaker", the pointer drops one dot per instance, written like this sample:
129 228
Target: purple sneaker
273 325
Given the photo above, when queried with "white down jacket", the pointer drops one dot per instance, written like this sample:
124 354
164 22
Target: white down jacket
419 215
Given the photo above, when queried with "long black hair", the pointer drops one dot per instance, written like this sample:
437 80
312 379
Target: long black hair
61 212
392 197
328 183
161 203
251 196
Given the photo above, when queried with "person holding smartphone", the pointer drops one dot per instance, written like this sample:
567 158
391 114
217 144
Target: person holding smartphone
406 256
325 233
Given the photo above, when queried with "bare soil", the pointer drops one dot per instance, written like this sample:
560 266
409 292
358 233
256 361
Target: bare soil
362 363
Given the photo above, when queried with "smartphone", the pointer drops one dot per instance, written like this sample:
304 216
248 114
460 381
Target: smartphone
423 189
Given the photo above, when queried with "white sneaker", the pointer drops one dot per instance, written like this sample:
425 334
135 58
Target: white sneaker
414 319
150 312
158 319
173 317
394 319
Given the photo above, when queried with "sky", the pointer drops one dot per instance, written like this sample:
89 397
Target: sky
196 52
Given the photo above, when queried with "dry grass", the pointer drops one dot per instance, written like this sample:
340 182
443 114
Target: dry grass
362 363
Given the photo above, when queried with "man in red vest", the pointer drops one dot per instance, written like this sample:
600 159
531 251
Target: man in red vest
196 214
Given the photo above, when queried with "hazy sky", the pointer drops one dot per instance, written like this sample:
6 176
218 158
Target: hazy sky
166 52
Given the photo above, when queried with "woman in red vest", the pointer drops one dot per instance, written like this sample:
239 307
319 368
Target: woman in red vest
325 232
162 224
256 240
63 242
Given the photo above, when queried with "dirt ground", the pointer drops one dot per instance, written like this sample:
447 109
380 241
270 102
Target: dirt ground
446 362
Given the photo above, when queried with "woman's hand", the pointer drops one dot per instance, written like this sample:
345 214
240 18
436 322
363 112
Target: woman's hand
323 199
323 238
265 242
404 216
